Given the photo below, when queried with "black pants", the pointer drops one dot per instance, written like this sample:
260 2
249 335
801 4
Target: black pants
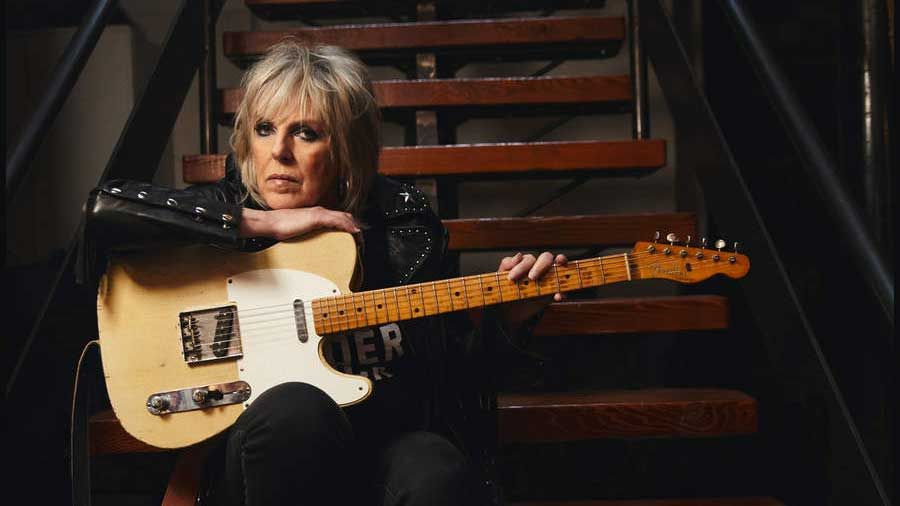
294 445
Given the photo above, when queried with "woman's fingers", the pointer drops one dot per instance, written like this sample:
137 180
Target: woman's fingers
509 262
522 267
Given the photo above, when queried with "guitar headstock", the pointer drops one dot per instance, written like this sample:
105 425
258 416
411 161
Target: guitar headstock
687 263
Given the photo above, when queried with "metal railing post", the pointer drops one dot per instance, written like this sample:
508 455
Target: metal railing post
640 114
206 76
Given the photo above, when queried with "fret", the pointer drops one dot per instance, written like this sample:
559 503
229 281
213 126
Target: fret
380 308
397 299
460 292
484 301
332 314
518 287
342 318
578 271
358 315
627 267
556 275
413 309
466 290
369 321
437 304
546 285
602 274
450 294
499 288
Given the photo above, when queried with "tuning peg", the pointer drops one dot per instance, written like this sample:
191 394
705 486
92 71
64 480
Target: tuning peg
672 238
656 236
720 244
732 259
688 241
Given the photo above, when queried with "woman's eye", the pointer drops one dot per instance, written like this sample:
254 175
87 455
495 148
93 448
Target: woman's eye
263 129
306 134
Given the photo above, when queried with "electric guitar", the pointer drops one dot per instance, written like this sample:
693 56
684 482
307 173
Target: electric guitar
191 336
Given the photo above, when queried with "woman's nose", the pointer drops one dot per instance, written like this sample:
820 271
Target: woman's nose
281 149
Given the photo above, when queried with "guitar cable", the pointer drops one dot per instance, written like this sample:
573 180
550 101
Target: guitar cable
79 456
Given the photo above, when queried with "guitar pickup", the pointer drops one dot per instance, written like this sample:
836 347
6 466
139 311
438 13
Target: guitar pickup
200 397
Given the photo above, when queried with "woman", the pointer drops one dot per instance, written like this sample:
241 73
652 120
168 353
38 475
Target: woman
306 147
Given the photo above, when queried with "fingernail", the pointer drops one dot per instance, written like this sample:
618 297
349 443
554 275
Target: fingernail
517 255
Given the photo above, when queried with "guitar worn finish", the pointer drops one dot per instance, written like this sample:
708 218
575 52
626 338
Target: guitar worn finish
138 307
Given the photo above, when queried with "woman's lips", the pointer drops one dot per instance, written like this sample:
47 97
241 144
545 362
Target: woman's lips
282 181
283 177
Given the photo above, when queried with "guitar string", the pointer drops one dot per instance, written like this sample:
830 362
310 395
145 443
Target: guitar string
352 321
611 261
363 313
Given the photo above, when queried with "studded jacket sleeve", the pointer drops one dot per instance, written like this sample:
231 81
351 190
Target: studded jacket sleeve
123 214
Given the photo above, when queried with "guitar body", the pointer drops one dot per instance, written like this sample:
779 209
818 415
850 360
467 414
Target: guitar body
175 322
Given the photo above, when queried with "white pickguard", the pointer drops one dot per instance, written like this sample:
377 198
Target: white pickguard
273 353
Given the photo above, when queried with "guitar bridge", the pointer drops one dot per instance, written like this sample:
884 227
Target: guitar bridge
210 334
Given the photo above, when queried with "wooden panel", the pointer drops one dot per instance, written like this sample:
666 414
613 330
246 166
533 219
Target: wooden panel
107 436
484 92
624 414
525 159
437 35
712 501
564 231
648 314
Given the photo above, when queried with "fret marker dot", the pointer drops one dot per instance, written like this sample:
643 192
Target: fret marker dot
324 315
416 310
456 294
490 288
341 312
379 306
359 310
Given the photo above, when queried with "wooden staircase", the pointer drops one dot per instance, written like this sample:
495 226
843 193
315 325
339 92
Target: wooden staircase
431 104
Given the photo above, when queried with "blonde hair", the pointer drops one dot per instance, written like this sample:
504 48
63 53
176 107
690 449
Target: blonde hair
324 80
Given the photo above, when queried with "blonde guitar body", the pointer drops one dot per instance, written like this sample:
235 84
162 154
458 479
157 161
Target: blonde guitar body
155 315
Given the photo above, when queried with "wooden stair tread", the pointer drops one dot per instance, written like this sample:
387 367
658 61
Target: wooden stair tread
484 160
390 40
294 9
645 314
564 231
681 412
711 501
468 92
108 437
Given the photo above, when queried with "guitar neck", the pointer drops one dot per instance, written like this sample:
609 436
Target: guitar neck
375 307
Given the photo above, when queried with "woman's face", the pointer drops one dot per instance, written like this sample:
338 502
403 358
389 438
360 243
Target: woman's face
292 162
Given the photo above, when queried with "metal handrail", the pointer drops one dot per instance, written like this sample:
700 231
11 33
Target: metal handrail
70 65
819 166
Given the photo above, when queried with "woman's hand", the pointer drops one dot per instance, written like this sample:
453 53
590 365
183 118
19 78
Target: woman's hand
517 268
281 224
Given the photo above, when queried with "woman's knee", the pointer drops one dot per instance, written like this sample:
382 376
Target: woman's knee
295 413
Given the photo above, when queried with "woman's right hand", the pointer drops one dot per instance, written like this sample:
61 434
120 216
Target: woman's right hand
281 224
